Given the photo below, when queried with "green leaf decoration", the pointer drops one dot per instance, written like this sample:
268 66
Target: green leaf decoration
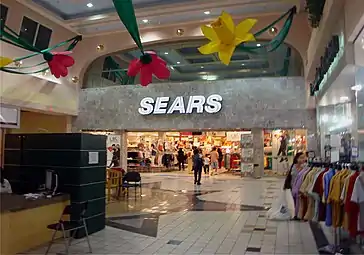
125 10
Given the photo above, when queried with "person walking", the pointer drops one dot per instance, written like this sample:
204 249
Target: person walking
221 156
181 159
214 156
197 166
206 166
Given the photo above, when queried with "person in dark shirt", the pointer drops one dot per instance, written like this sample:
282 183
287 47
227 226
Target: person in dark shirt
221 156
181 159
197 166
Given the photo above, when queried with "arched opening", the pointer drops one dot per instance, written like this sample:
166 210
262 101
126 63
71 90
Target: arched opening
187 64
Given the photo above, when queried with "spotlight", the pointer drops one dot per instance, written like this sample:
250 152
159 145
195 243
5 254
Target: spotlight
273 31
180 31
74 79
100 47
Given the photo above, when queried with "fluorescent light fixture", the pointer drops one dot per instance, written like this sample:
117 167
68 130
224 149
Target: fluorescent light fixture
178 62
172 67
207 12
166 53
357 87
258 44
209 77
145 20
89 5
343 99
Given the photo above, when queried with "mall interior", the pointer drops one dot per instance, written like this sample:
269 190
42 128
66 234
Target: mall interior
94 131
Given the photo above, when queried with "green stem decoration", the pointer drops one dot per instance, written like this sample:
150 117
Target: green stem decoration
11 37
125 10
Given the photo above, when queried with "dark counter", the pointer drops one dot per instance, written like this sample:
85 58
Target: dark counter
15 203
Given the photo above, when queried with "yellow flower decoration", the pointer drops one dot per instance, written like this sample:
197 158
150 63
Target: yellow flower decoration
225 36
5 61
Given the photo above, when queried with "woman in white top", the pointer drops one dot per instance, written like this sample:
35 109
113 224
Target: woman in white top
5 186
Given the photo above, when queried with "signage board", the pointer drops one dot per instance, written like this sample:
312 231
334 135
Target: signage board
326 62
195 104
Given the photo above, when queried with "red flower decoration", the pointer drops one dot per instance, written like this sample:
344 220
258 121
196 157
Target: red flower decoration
149 64
58 62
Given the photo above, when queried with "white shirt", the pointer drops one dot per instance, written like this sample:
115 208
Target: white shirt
358 197
5 187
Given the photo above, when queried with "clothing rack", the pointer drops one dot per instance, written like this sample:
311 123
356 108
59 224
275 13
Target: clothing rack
333 169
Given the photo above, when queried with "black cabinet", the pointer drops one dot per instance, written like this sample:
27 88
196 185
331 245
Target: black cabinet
72 157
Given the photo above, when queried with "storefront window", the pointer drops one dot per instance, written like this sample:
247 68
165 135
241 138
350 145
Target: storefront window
160 150
280 146
335 124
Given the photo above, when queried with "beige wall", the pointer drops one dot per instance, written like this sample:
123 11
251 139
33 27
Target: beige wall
85 55
29 92
34 122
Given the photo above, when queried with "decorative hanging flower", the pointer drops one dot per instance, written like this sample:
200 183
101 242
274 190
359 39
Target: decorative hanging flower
4 61
224 36
149 64
59 62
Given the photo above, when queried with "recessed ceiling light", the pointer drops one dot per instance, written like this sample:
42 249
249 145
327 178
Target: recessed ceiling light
202 67
243 64
172 67
258 44
207 12
357 87
145 20
178 62
89 5
165 53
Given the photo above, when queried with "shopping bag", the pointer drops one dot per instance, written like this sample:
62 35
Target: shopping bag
283 208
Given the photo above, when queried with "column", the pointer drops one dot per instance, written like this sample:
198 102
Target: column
124 150
258 141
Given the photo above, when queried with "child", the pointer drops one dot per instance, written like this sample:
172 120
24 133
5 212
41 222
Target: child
206 164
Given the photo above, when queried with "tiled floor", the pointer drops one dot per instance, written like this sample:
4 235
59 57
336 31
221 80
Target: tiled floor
225 215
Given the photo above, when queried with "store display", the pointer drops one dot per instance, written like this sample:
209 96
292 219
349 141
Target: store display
161 148
247 154
280 146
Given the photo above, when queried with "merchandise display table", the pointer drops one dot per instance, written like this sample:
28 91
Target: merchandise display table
24 221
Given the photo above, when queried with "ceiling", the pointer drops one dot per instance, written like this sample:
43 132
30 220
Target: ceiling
187 64
98 16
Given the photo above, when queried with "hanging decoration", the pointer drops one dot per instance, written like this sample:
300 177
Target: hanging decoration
225 37
149 63
57 62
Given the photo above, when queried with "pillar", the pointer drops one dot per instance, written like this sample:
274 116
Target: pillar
258 142
124 150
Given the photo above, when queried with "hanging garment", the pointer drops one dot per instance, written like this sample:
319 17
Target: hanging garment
351 208
326 182
296 187
358 198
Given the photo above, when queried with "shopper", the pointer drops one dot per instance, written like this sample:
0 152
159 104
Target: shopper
298 163
153 153
221 156
5 186
214 156
181 159
206 164
197 166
